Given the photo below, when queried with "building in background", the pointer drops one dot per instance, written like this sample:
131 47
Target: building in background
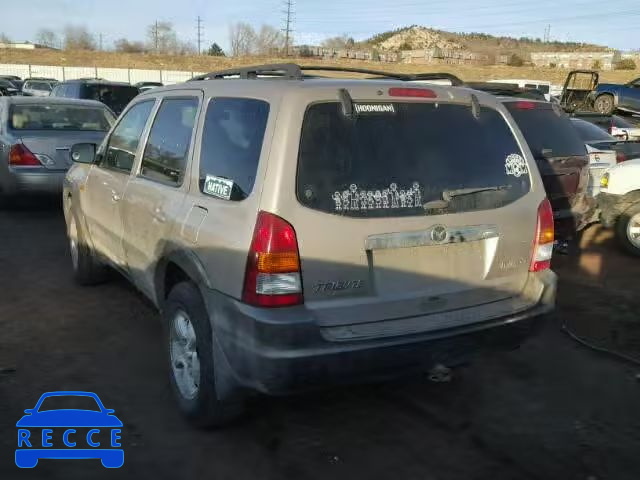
576 60
24 46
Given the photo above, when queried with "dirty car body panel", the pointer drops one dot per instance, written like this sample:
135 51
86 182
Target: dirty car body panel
385 288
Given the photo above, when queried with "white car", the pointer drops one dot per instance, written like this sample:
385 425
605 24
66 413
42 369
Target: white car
619 203
601 156
38 88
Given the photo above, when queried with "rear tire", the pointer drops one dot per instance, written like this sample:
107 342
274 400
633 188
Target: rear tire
604 104
87 269
188 337
628 229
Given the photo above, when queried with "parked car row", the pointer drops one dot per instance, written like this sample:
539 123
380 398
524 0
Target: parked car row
213 197
116 95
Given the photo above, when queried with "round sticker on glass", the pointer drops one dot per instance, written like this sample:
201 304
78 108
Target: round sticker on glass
515 165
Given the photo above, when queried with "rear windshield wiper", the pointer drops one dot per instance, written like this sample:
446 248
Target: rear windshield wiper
448 195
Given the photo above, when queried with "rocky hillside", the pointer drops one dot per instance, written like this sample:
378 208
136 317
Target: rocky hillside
414 38
417 37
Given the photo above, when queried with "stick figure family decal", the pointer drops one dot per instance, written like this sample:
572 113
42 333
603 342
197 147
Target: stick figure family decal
392 197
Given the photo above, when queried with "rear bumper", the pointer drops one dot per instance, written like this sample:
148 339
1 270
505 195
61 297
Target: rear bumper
278 351
27 182
573 219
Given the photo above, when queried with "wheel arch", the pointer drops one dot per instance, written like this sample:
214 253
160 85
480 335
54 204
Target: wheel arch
611 92
178 265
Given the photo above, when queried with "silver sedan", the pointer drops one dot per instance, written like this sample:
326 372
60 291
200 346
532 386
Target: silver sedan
35 139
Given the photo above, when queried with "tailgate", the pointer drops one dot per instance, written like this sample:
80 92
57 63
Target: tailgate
395 219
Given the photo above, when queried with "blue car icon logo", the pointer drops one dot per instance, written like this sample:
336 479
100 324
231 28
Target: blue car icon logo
90 432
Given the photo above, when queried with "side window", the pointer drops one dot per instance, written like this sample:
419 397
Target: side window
231 144
74 90
57 92
165 155
123 144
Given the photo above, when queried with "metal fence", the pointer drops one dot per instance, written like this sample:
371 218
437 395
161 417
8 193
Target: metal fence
130 75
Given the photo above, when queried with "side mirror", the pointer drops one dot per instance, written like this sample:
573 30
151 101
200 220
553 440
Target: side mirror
83 152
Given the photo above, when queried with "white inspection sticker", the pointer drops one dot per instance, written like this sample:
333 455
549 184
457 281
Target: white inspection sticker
515 165
218 187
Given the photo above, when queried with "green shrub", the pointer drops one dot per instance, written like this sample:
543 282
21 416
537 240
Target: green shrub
515 61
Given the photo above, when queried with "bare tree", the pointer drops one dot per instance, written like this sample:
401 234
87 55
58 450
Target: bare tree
341 41
48 38
242 39
162 38
125 46
185 48
4 38
77 37
268 40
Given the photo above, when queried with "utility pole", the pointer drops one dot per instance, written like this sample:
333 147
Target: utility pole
288 20
547 33
155 35
199 29
100 42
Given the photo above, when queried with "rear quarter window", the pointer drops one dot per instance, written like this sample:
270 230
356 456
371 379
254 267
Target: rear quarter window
231 144
391 164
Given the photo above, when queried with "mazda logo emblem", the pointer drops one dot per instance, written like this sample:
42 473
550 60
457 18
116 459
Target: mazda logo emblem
439 233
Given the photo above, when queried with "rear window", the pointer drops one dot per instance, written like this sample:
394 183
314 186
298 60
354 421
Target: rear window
60 117
397 157
590 133
44 86
541 88
546 129
115 97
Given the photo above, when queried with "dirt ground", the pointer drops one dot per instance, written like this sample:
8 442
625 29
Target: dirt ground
204 63
551 410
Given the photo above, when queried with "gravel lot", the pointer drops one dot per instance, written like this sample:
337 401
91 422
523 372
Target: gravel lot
551 410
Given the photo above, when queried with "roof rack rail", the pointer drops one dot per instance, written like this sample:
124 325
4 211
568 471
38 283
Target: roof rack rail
289 71
293 71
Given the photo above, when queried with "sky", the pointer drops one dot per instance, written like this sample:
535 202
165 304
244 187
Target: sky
615 26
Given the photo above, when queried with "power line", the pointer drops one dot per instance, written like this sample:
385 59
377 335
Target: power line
200 32
287 25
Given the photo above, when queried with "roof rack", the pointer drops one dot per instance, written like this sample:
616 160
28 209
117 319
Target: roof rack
293 71
289 71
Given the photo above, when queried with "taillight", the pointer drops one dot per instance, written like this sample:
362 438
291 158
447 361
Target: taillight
272 277
543 242
412 92
620 157
21 156
525 105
